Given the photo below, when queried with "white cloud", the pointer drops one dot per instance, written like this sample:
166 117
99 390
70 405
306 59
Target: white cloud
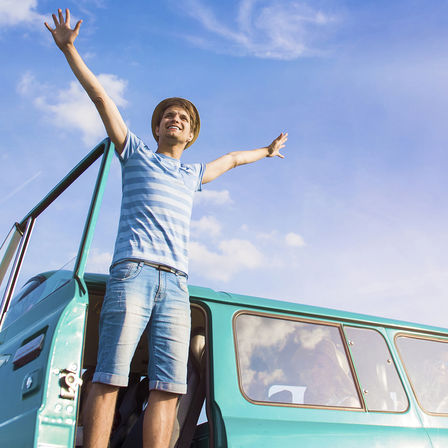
213 197
98 261
234 255
267 236
290 239
89 55
20 187
294 240
71 108
27 83
15 12
207 225
266 29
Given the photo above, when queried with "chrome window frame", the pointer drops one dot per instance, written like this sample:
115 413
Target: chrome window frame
426 338
337 325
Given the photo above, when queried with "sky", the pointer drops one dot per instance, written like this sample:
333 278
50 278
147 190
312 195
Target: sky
353 218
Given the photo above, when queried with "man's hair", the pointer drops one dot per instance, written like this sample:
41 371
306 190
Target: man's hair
188 106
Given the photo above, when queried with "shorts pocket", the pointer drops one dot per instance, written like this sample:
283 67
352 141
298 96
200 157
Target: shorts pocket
125 270
182 283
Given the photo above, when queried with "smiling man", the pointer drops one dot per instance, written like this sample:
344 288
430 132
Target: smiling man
148 274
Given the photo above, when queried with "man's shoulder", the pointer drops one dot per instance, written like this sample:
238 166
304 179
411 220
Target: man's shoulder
135 146
137 142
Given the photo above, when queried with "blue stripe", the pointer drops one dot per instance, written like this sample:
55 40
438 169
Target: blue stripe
156 206
149 204
150 179
150 248
146 194
158 230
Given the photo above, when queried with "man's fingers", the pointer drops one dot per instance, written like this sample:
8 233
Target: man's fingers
278 144
48 27
55 20
78 25
283 136
61 16
67 17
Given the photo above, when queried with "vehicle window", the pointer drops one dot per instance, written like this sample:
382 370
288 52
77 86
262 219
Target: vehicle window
377 374
32 292
288 361
7 253
426 363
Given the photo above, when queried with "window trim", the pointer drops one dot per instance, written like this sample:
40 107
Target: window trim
393 360
304 320
15 270
426 338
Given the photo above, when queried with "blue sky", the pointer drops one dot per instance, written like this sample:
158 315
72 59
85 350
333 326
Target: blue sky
355 215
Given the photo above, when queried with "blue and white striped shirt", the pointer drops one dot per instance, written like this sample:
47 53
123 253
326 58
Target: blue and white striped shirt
156 206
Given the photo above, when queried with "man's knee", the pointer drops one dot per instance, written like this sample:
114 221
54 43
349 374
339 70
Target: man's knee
107 388
102 392
156 395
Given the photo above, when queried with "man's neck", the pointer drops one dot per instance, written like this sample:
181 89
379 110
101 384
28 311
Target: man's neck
174 151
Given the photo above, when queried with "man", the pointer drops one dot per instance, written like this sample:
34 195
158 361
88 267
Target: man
148 273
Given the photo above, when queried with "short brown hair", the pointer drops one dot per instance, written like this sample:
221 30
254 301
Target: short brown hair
189 107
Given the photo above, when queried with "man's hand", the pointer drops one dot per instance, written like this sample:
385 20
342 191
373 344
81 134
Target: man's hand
275 147
63 35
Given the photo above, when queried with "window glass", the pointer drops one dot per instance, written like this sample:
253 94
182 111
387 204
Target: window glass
378 377
54 245
426 363
287 361
7 254
32 292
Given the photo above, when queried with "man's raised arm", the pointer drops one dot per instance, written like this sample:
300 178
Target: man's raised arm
65 37
236 158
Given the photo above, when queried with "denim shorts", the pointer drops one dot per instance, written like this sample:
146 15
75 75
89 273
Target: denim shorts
137 297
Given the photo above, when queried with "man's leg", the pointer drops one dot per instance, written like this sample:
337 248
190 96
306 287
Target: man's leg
99 414
168 342
159 419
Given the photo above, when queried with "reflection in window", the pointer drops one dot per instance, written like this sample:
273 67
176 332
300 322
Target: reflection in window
426 363
286 361
7 254
376 371
25 299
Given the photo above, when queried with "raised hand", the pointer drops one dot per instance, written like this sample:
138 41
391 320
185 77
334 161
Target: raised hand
275 147
63 35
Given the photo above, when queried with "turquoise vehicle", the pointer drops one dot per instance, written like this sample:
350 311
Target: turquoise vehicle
262 373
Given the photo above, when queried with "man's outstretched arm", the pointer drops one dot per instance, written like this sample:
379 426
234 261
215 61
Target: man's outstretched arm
236 158
65 37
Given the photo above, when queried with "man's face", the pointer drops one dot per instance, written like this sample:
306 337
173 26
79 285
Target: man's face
175 126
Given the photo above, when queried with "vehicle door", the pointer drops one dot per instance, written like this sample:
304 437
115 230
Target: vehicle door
42 330
286 380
